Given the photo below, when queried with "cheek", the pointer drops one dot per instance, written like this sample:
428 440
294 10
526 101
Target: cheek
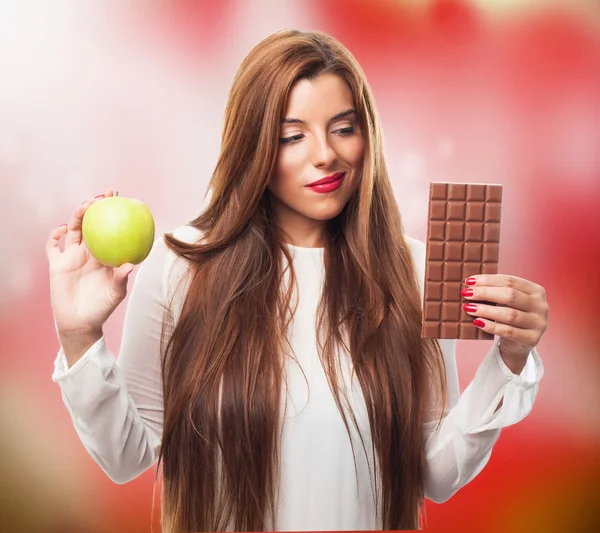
354 151
284 173
290 161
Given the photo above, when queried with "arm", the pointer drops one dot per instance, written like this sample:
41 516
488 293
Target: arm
117 407
460 446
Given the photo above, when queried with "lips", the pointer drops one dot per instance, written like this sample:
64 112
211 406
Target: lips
327 179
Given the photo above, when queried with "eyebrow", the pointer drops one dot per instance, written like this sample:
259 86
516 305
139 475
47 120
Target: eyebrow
335 117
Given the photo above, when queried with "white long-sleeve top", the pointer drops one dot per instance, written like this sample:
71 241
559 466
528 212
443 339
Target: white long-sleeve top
117 407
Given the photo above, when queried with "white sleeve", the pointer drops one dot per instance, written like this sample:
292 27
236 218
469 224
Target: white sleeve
460 446
117 407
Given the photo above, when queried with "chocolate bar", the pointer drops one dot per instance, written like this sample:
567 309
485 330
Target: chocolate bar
463 238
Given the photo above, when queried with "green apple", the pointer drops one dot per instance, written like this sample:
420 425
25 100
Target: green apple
118 230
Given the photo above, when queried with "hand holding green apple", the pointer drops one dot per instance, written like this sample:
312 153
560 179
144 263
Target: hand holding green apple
105 238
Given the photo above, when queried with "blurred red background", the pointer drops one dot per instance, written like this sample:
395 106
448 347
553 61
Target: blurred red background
131 96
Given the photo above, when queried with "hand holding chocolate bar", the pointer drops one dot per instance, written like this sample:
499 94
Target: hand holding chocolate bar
520 316
463 246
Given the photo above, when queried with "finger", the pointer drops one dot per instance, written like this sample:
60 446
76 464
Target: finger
52 249
75 224
504 315
526 337
504 280
120 279
500 295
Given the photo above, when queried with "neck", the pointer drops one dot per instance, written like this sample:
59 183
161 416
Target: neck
306 242
298 230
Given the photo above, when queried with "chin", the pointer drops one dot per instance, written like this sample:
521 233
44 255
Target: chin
327 213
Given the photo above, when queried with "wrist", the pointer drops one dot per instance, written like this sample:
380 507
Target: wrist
515 360
76 344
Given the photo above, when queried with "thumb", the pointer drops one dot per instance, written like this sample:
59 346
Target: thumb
120 278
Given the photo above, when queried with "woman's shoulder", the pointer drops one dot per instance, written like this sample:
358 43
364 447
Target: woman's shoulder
168 266
188 234
417 250
416 247
162 253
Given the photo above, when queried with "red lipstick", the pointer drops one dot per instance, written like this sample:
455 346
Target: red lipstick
327 184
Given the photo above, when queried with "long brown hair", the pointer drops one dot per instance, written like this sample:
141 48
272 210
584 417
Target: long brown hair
223 363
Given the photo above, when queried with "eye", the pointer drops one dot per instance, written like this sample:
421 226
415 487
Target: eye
293 138
345 131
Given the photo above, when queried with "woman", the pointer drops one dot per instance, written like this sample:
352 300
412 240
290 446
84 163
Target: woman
271 357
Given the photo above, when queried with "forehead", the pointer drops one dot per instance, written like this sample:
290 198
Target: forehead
321 97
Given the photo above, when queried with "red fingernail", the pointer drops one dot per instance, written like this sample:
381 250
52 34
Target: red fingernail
467 292
479 323
470 307
62 225
99 196
470 281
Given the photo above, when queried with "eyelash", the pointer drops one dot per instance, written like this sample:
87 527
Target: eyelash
344 132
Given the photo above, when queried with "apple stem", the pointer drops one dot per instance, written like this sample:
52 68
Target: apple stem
116 193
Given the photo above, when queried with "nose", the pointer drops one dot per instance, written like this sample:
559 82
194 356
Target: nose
322 152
